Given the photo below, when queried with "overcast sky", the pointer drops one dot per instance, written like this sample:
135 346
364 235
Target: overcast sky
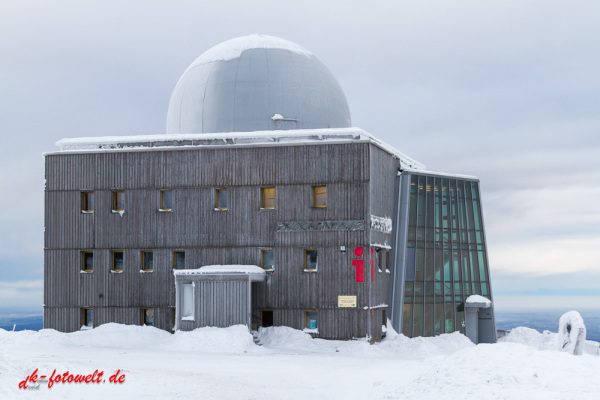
508 91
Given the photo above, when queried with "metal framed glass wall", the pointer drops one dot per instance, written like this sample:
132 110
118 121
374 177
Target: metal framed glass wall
446 257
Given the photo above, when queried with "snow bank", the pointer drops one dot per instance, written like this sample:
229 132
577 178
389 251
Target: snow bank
232 340
531 338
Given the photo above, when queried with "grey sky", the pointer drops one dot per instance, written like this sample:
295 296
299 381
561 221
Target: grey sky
508 91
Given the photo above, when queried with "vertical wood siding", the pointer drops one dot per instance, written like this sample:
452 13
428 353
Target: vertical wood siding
355 174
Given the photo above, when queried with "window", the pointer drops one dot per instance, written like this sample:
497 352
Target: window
147 261
268 198
222 199
87 202
166 200
310 260
117 261
267 259
88 317
311 320
319 196
266 318
179 260
118 200
148 316
87 261
187 301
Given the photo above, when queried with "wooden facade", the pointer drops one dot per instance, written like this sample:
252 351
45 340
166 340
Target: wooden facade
359 177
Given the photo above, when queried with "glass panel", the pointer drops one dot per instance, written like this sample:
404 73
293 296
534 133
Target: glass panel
166 199
147 260
268 197
418 320
484 289
319 196
482 268
429 272
118 260
88 261
419 288
421 203
409 288
187 300
310 259
439 327
439 265
180 260
407 320
268 259
118 198
311 320
149 317
87 201
449 318
429 320
88 317
222 199
419 264
474 266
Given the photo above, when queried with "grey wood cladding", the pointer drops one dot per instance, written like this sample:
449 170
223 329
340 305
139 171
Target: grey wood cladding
360 182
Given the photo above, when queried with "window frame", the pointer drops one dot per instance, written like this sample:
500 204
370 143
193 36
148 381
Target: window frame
161 204
306 251
306 320
175 259
217 191
262 259
315 194
115 200
84 312
144 316
113 263
263 198
143 266
87 197
83 259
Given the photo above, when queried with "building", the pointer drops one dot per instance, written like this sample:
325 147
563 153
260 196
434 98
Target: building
261 205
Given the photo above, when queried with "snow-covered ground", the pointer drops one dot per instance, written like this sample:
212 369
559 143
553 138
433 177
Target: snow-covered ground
212 363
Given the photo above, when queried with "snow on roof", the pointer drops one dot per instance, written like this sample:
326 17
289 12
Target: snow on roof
222 269
478 301
253 139
233 48
442 174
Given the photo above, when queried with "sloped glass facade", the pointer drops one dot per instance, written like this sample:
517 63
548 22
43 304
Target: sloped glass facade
445 255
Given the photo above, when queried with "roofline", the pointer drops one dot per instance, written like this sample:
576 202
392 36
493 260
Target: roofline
165 142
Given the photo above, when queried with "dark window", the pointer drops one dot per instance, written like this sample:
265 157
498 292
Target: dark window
147 261
179 260
87 202
88 317
222 199
268 259
266 318
87 261
118 200
310 259
166 200
117 261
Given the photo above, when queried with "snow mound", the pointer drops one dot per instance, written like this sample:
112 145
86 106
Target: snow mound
283 338
422 347
232 340
531 338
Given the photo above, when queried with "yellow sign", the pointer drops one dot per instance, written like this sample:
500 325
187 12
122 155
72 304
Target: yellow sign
347 301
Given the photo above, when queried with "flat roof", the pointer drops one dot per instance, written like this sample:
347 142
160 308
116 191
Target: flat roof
232 139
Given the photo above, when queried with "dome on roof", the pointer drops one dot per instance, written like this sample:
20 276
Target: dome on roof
255 83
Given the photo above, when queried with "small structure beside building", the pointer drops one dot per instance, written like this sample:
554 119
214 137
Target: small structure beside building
315 224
